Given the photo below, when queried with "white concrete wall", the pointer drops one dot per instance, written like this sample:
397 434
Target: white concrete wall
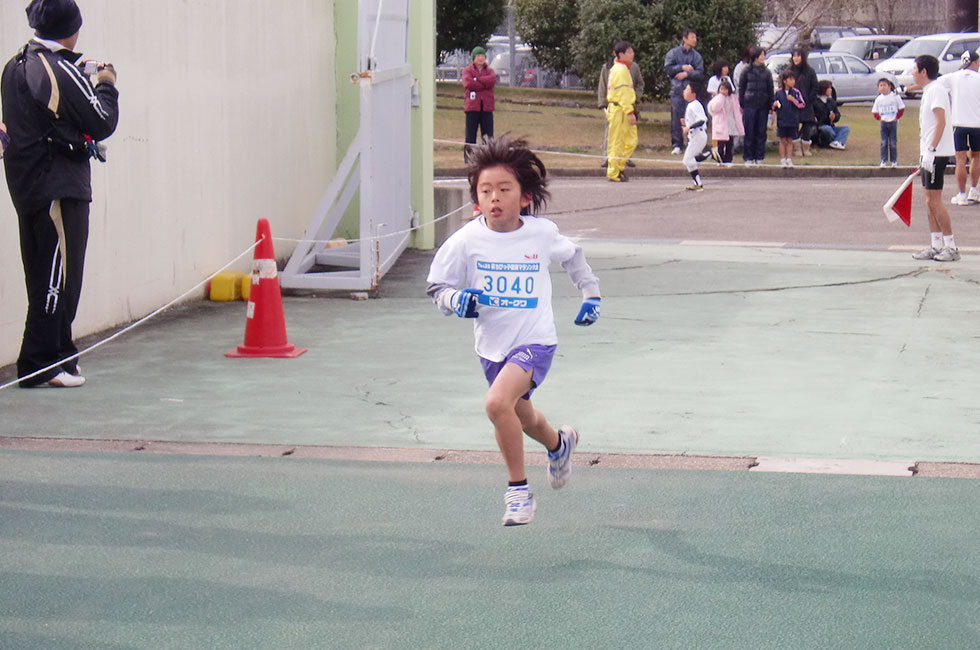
228 111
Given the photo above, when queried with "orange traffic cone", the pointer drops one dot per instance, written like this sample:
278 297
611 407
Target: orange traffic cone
265 327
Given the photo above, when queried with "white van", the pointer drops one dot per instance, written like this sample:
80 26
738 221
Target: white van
946 47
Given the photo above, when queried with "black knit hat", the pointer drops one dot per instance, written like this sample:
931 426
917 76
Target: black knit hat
54 19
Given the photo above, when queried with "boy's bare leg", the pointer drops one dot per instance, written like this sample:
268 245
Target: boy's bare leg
536 425
974 168
501 406
511 416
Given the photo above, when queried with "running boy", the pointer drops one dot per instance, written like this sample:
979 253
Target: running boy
695 127
495 270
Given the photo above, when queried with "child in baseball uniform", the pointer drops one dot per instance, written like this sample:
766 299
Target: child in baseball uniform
495 271
695 127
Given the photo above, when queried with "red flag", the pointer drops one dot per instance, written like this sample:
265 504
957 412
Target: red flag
899 206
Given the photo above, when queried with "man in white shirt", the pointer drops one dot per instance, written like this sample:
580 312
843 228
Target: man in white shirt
964 88
936 148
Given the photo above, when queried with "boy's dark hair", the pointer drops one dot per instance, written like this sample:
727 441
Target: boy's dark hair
786 74
823 86
754 53
515 155
719 64
620 47
725 84
687 31
694 87
928 64
889 82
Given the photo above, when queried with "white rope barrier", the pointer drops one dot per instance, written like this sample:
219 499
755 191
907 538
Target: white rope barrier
205 281
379 237
134 325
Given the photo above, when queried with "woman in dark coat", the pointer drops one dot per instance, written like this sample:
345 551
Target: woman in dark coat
806 83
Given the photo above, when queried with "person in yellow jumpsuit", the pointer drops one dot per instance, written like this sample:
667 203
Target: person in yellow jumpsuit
622 120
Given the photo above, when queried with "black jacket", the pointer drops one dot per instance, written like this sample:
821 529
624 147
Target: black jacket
808 86
49 106
823 109
755 88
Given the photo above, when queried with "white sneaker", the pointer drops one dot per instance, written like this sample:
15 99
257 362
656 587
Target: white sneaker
789 162
65 380
926 254
749 163
837 145
560 465
520 506
973 196
894 164
883 164
947 254
959 199
676 151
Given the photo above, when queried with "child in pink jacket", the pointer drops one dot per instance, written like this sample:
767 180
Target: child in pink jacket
726 122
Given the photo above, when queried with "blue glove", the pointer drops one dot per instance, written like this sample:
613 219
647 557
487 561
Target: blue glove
588 313
465 301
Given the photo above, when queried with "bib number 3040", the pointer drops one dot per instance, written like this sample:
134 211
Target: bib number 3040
513 285
509 291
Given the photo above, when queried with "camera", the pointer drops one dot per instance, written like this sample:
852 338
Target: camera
91 66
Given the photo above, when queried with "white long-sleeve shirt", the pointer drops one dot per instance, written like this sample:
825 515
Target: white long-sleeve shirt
512 270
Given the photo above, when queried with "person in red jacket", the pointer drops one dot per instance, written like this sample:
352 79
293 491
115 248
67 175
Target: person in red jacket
478 81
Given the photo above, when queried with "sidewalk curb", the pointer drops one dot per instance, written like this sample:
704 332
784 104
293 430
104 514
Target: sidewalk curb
469 457
713 171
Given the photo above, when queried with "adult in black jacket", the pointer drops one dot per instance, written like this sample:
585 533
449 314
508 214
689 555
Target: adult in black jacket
755 95
829 132
54 117
806 83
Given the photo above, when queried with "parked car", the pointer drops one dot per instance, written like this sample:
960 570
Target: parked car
823 36
771 37
946 47
853 79
874 48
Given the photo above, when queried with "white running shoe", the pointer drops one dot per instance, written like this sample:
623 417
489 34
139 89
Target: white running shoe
973 196
676 151
837 145
926 254
959 199
520 506
894 164
65 380
883 164
560 465
947 254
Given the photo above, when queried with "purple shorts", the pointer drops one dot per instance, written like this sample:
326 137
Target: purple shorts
536 358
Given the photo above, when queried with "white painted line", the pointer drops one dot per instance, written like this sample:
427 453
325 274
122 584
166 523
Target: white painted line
756 244
962 249
834 466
